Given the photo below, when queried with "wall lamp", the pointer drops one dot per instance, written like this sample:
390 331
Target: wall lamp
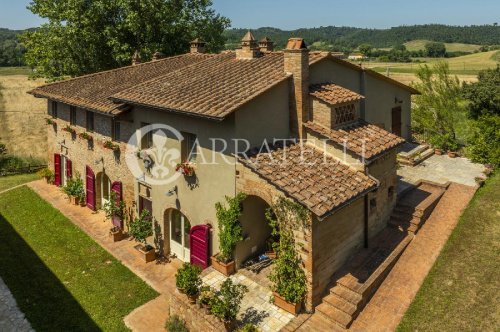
172 191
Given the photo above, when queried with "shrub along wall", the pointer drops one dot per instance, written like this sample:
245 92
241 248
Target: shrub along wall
195 317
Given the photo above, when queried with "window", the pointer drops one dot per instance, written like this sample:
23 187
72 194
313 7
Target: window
90 121
54 109
72 115
344 114
189 147
116 130
147 138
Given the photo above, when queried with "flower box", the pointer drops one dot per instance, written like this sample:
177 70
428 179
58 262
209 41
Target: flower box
111 146
85 136
226 269
148 252
186 168
293 308
50 121
116 234
69 129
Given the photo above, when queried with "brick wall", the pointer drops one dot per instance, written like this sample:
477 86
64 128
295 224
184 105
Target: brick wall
296 62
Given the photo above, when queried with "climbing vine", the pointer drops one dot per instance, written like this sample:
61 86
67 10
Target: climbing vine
288 277
230 230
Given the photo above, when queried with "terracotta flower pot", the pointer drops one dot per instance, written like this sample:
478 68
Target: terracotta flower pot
230 325
116 234
452 154
192 298
74 200
148 255
438 152
293 308
226 269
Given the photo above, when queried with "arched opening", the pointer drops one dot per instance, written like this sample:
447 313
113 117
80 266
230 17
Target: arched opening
177 227
103 189
256 230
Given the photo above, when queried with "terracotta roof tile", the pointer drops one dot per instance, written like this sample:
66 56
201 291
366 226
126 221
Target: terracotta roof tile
213 88
333 94
93 91
318 181
359 135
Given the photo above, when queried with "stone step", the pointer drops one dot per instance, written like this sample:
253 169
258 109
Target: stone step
346 294
341 303
412 153
335 315
401 208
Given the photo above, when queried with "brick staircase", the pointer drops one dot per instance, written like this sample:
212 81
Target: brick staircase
413 209
361 277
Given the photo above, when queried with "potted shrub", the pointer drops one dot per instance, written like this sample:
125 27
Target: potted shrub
111 210
74 189
438 142
230 233
227 301
140 228
188 281
205 298
186 168
46 174
452 148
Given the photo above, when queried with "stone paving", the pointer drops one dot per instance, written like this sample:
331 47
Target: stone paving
11 318
255 307
442 169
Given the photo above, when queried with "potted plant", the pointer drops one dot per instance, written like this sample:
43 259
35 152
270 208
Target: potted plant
205 298
112 209
187 279
111 146
230 233
86 136
74 189
438 142
227 301
46 174
186 168
140 228
452 148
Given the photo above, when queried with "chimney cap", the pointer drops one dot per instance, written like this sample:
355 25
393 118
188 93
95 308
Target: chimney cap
158 55
296 44
248 37
265 40
136 58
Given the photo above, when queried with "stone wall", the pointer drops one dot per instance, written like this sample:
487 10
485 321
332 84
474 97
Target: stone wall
192 314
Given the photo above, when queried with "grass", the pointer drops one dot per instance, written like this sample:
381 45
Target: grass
6 71
10 181
61 279
417 45
461 291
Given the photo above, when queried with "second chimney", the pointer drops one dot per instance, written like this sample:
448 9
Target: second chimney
197 46
296 62
266 45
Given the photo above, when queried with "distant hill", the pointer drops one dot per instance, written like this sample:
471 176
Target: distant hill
348 38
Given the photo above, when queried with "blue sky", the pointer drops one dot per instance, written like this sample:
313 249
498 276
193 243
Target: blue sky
292 14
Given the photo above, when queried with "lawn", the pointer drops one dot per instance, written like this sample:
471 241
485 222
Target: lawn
61 279
10 181
461 291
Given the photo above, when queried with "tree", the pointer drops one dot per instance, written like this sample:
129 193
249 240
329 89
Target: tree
484 146
365 49
435 50
439 109
88 36
484 95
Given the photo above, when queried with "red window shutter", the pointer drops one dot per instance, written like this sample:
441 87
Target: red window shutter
116 187
69 172
90 188
199 237
57 169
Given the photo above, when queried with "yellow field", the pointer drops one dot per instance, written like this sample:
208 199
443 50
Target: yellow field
22 125
417 45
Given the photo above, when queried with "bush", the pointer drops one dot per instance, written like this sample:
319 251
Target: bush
230 230
175 324
249 327
141 227
74 187
207 295
188 279
227 300
484 147
46 174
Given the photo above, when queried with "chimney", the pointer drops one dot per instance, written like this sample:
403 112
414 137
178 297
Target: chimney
197 46
136 58
249 48
266 45
158 55
296 60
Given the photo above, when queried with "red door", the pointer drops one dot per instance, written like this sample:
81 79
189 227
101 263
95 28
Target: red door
57 169
116 187
396 120
90 188
199 237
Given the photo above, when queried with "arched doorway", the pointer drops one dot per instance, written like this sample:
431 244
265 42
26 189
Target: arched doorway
103 187
179 227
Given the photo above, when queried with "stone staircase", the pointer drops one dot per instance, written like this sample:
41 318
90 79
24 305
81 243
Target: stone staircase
413 209
415 156
361 277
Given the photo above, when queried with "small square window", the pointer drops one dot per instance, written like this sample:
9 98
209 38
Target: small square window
147 139
72 115
90 121
189 147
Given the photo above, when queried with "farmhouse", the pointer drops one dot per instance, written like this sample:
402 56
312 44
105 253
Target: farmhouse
351 121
